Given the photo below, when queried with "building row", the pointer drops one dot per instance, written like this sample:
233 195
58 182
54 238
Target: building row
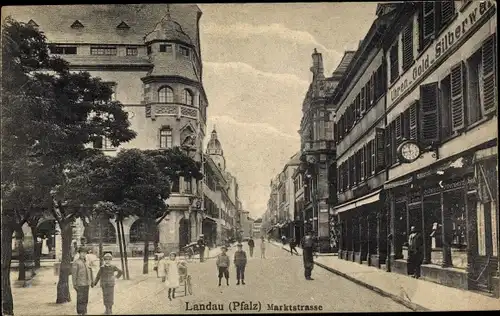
151 57
405 137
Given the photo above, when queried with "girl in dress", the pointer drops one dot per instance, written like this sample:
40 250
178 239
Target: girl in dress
168 270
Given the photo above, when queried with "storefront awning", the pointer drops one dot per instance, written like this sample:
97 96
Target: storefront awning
370 198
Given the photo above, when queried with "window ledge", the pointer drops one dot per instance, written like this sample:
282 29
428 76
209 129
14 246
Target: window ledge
484 119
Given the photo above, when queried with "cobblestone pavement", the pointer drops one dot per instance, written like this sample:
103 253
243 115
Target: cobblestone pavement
277 280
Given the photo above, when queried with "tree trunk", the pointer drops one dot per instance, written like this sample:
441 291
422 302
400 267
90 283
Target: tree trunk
63 294
37 247
120 244
145 267
7 301
21 254
127 275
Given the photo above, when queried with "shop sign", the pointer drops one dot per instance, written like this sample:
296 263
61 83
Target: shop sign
450 186
454 36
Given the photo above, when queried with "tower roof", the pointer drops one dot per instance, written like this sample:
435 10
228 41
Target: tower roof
168 29
214 146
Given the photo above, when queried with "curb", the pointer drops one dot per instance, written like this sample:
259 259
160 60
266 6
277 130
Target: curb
397 299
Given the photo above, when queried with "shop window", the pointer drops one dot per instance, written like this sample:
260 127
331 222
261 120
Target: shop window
455 202
445 91
401 226
165 95
166 137
394 62
407 41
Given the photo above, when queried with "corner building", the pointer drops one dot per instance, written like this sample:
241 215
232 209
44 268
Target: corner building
151 56
442 94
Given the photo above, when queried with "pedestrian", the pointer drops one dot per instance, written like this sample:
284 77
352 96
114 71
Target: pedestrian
106 275
223 265
240 262
251 245
201 247
415 253
308 245
168 270
262 248
82 279
283 240
292 247
158 256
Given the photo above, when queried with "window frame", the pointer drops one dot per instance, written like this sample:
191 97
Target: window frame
166 137
168 96
103 50
135 51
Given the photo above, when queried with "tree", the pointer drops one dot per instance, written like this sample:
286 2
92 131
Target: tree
49 115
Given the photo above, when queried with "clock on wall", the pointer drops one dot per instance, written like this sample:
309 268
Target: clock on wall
408 151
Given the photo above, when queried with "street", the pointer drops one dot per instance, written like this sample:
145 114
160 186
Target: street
277 280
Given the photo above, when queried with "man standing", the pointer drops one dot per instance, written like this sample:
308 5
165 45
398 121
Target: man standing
251 244
415 252
82 279
240 261
201 247
307 254
292 247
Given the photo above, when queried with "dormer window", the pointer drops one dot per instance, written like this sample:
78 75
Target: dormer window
165 48
184 51
123 26
188 97
77 25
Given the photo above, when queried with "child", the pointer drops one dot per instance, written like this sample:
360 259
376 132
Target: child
106 275
223 265
168 270
240 261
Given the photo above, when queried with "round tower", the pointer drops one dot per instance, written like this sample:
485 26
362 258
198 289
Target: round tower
214 149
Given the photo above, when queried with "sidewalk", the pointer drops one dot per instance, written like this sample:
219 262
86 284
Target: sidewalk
418 295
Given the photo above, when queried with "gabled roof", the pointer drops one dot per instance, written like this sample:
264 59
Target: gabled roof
77 25
32 23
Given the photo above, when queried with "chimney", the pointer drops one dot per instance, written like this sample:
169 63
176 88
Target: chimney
317 67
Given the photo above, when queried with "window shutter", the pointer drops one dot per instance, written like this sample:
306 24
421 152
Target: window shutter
429 120
362 163
373 157
407 39
380 149
394 144
405 124
372 91
368 153
413 121
362 101
447 11
355 169
357 109
399 130
457 97
335 134
428 22
489 74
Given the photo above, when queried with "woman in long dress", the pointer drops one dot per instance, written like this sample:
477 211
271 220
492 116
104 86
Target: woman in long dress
168 270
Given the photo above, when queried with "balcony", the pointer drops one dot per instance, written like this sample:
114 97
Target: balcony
154 110
317 146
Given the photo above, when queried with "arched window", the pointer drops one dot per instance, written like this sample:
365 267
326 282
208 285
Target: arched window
166 95
166 137
188 97
138 232
92 231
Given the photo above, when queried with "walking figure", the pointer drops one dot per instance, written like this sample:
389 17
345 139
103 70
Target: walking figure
158 256
262 248
82 279
106 275
168 270
240 261
251 245
308 245
415 253
201 247
223 265
292 247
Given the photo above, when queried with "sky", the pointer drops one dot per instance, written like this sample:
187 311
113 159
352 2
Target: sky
256 72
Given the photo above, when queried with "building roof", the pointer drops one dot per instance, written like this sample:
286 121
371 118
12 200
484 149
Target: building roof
344 63
168 29
100 22
214 146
